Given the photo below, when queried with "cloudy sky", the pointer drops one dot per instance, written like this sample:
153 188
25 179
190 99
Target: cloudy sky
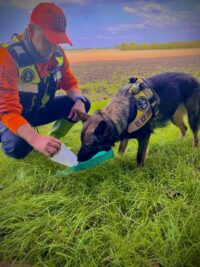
100 24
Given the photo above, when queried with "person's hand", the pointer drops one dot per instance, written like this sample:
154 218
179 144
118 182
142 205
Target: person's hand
46 145
79 105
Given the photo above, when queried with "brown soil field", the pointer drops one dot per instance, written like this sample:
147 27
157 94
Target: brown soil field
115 54
101 73
116 71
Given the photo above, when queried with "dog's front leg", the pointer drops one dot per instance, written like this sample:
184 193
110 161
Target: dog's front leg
122 146
143 142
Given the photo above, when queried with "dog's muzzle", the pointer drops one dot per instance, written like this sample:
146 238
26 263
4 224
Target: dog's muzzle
86 152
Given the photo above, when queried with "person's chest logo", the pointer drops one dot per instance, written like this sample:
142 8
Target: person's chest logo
27 75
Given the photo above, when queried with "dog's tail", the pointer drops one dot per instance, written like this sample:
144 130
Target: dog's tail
192 105
198 96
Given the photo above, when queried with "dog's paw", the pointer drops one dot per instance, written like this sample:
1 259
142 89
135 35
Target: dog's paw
140 164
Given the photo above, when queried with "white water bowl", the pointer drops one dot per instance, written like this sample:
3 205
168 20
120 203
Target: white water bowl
65 157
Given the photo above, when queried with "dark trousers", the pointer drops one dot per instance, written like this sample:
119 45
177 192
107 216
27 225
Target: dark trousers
60 107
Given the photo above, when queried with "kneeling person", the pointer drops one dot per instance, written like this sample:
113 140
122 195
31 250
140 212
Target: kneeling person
32 68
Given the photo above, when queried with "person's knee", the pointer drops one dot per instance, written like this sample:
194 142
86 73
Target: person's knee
17 149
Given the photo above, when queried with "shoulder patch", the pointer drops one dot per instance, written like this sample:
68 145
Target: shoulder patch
19 54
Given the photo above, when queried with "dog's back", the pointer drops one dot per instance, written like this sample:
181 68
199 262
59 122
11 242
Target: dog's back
173 88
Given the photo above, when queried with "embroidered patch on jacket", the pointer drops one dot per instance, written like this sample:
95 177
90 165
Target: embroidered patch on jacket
27 75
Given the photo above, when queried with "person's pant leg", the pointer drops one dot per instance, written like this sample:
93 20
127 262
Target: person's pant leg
59 108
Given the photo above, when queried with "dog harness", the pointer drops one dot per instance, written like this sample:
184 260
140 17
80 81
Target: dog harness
146 103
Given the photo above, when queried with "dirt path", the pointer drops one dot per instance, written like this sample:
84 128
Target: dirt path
114 54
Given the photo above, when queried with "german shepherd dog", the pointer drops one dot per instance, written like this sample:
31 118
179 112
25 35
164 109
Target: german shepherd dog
177 94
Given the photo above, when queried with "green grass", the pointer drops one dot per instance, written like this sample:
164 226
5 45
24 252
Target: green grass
111 215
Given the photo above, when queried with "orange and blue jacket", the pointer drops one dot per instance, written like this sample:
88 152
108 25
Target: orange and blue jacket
17 83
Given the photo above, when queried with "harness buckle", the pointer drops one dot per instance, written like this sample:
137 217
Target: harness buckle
138 85
135 89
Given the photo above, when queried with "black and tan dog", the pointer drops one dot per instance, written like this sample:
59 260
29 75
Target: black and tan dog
175 93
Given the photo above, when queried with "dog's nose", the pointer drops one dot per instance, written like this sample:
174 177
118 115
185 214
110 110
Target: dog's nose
80 155
84 154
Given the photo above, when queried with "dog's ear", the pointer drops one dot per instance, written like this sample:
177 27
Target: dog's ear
100 128
82 115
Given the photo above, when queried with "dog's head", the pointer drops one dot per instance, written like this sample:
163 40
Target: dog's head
98 134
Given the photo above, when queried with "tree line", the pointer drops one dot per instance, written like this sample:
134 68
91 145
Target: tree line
155 45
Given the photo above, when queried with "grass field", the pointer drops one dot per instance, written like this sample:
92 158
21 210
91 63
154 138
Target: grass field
114 214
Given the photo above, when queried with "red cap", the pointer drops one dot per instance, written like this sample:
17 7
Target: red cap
51 19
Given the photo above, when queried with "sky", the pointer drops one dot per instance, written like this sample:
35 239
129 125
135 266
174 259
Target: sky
104 24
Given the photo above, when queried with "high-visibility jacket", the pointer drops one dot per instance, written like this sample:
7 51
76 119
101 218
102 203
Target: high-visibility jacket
35 89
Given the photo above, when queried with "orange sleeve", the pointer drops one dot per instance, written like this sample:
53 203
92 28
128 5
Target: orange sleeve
68 80
10 107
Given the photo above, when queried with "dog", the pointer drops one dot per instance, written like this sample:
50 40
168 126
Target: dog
175 94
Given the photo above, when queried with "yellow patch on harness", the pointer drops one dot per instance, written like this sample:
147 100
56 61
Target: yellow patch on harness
144 111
